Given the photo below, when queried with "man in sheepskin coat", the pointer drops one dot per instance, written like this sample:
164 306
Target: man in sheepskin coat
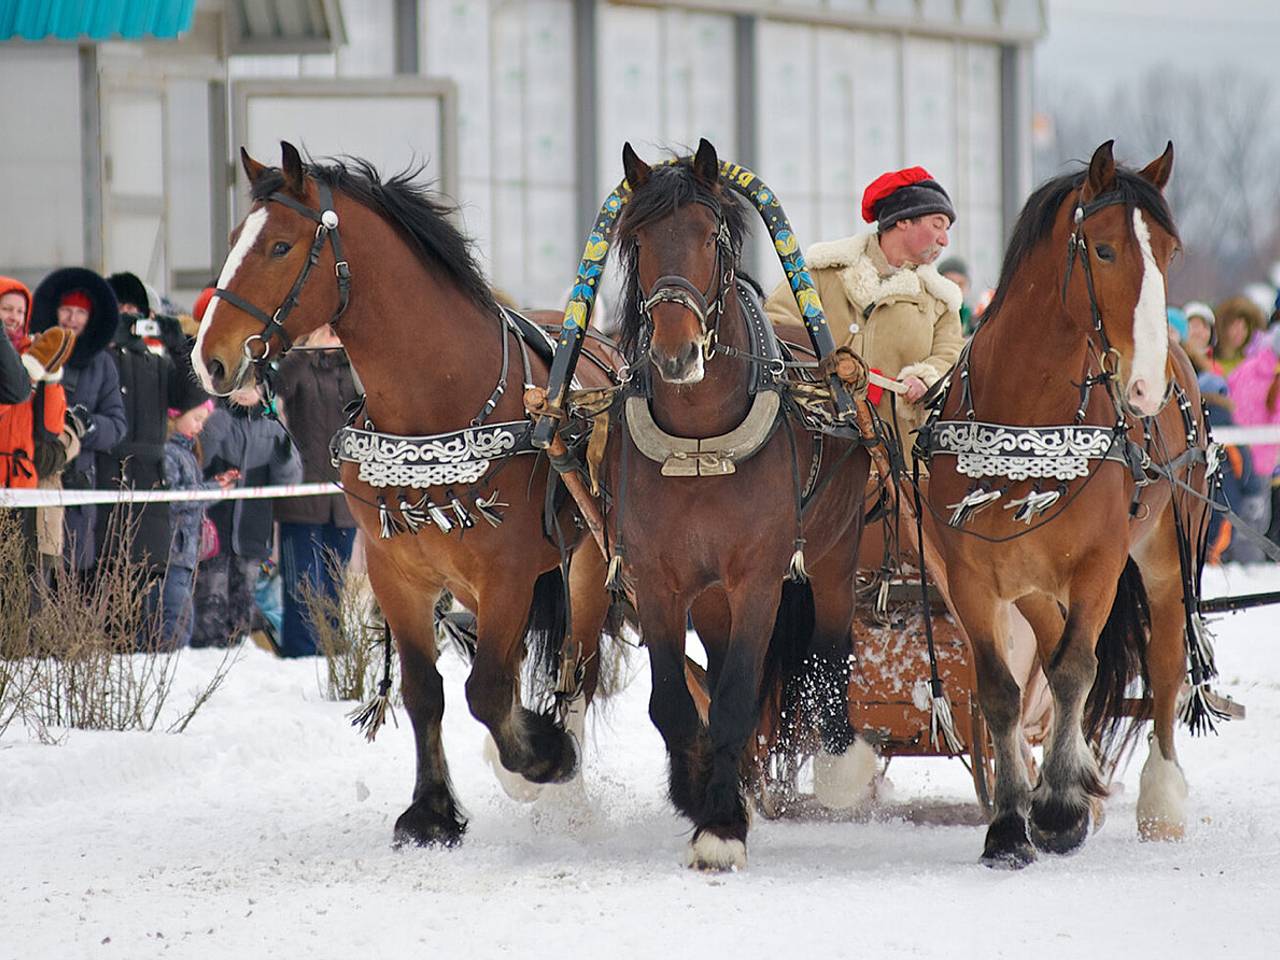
881 293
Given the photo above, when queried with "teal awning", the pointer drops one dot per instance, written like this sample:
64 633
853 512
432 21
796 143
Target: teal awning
95 19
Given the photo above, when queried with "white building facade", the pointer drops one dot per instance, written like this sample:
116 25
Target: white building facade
122 154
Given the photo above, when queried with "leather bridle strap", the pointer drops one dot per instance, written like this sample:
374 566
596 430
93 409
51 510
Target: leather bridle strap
326 219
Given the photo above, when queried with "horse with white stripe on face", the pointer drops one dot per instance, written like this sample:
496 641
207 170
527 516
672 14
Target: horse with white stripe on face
1050 465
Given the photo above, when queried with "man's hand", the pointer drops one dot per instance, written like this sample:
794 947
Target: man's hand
915 388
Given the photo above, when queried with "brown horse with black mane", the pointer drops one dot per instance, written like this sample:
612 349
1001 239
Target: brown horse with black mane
430 466
1050 481
710 526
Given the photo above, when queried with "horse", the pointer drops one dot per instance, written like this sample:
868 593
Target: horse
1095 537
429 342
713 532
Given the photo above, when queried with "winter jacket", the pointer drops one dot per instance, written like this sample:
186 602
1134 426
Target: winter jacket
260 449
148 388
91 383
1255 381
904 322
182 472
315 389
46 405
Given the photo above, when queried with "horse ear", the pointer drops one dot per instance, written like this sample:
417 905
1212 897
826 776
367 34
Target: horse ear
1160 169
252 168
1102 172
706 165
637 170
291 164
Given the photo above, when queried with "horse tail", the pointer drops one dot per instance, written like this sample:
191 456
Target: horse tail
1122 658
544 634
781 691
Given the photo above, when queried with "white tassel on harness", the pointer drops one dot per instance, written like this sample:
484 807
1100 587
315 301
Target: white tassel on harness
1033 504
613 577
487 508
940 718
796 572
970 504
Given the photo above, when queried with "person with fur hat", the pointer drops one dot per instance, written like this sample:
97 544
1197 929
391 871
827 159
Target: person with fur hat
1239 320
882 295
79 300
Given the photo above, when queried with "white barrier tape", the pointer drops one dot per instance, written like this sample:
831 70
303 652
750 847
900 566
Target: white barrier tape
75 498
1248 436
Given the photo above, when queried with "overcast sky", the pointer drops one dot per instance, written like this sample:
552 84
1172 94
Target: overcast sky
1095 43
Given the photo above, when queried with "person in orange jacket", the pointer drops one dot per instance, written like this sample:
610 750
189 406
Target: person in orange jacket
21 464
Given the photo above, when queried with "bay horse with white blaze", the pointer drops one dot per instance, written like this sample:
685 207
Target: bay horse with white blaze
433 350
713 533
1052 461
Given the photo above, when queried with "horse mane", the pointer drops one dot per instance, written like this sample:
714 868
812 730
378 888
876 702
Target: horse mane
421 216
669 188
1036 220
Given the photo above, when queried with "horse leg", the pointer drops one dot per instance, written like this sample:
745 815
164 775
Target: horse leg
1062 800
671 706
433 816
1007 843
528 743
1162 792
720 835
845 767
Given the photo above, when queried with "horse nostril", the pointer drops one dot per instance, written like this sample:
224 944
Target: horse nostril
1138 389
216 370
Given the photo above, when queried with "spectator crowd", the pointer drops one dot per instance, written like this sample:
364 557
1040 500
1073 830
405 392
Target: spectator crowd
97 392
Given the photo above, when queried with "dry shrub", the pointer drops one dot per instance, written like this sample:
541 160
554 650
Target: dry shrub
86 652
348 631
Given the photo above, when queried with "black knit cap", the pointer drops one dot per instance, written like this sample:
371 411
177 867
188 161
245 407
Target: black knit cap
902 195
918 200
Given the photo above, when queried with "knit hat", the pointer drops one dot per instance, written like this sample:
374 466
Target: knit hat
1197 308
903 194
201 304
953 265
129 289
206 403
76 298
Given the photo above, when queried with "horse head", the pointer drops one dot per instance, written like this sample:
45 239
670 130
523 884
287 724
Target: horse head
680 234
1118 225
263 301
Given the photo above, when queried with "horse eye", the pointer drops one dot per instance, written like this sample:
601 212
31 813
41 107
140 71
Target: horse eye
280 248
1106 253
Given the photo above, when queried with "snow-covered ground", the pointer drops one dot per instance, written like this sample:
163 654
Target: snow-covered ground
264 831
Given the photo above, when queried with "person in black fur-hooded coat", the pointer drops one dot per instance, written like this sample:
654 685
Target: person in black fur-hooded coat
80 300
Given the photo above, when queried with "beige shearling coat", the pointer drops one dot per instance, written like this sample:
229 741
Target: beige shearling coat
904 322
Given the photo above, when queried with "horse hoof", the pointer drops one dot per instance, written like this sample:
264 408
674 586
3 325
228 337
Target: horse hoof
1157 830
715 854
513 784
1007 845
420 827
845 781
1059 829
1061 841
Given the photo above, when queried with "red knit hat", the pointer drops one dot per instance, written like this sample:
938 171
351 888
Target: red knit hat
202 304
902 194
76 298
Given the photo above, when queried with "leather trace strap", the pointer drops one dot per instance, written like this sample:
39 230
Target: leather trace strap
326 219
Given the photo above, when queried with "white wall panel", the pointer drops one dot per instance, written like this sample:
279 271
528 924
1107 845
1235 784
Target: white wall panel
629 44
930 109
699 91
878 109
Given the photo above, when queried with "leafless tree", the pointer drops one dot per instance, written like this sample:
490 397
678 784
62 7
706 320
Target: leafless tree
1225 192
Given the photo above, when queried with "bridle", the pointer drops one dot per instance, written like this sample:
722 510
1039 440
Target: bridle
707 306
1078 247
326 219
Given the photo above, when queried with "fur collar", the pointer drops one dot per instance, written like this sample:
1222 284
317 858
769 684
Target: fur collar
855 259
